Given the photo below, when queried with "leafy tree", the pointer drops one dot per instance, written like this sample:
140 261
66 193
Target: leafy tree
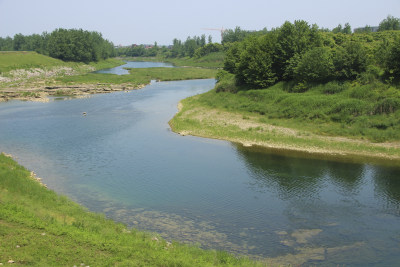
207 49
350 60
392 62
78 45
254 67
236 35
346 29
232 57
293 39
6 44
19 42
390 23
316 65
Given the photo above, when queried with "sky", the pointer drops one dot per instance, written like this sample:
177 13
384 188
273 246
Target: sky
125 22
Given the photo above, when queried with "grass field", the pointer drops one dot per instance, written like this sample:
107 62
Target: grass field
29 60
41 228
26 60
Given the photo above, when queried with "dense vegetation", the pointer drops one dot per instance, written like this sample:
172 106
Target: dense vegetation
68 45
40 228
303 77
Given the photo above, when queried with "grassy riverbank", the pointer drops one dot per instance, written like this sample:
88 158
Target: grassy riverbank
213 60
31 76
142 76
277 118
41 228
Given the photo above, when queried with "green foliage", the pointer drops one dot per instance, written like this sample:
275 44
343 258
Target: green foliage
208 49
67 45
26 60
392 60
225 82
350 60
78 45
307 54
390 23
324 108
340 29
139 76
316 65
254 67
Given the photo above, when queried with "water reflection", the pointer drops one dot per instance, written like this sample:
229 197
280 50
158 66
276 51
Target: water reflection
334 210
387 187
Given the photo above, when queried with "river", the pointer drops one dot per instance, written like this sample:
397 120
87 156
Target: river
123 160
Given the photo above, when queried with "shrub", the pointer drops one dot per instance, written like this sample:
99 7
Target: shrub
315 65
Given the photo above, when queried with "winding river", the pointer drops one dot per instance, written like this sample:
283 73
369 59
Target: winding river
123 160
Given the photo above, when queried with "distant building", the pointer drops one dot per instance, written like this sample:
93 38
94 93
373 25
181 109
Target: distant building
366 29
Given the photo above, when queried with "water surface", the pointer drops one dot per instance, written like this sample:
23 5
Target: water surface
121 70
123 160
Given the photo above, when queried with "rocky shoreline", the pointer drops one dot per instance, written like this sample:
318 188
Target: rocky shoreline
42 93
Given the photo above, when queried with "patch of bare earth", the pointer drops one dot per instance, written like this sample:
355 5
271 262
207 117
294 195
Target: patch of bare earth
218 118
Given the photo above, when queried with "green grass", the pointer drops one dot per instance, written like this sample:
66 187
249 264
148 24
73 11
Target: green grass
107 63
40 228
369 111
213 60
363 116
142 76
26 60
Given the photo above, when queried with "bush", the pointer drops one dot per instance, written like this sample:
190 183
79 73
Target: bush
334 87
315 65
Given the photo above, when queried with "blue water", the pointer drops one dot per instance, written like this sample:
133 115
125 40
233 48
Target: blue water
121 70
122 159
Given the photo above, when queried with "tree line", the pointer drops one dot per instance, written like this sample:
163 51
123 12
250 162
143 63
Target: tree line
65 44
307 54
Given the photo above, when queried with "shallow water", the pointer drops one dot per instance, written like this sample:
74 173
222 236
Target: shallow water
123 160
120 70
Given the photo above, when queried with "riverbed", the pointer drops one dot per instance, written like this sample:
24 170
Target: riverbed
115 154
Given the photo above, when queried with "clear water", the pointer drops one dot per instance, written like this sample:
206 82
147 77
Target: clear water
123 160
120 70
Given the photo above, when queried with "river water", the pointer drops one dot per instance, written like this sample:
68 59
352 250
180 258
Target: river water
123 160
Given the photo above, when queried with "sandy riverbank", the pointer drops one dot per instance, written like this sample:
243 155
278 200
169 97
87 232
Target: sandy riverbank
250 132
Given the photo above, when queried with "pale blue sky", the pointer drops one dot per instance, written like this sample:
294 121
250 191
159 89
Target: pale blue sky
127 22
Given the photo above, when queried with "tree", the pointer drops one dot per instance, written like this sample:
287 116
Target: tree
19 42
78 45
316 65
390 23
254 67
350 60
293 39
392 62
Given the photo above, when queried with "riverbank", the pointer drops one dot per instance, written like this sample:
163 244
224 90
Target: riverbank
253 130
30 76
41 228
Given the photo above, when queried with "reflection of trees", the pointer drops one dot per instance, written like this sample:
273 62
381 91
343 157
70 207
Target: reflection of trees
387 185
346 176
294 177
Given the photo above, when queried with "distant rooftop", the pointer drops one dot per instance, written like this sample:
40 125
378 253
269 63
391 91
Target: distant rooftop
373 28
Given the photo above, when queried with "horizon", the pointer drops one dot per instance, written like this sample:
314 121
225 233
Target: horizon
127 22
